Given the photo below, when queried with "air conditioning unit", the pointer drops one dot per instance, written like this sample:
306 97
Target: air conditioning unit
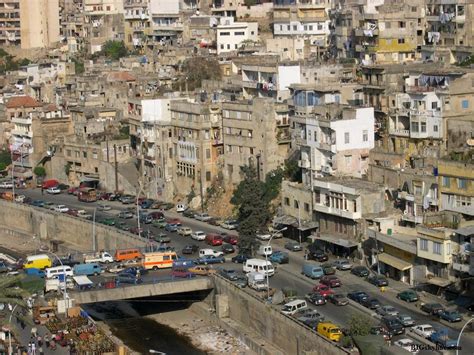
327 169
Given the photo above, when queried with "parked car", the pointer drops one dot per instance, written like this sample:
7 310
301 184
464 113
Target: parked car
237 277
71 212
135 270
202 270
145 219
146 204
406 320
61 208
124 226
240 258
203 217
162 238
190 249
391 323
198 235
406 344
6 185
228 248
338 299
127 199
125 215
316 298
37 203
331 281
370 303
357 296
387 311
432 308
408 296
230 239
184 231
210 259
309 315
264 237
108 221
328 269
342 264
378 280
450 316
166 206
214 221
103 207
189 213
53 191
279 257
323 290
318 255
423 330
293 246
171 227
360 271
230 224
128 278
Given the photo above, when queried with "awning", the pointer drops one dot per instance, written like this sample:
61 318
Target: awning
89 179
466 231
338 241
82 280
438 281
395 262
293 221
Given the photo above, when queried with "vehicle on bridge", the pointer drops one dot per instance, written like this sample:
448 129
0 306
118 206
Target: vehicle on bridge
87 269
293 307
159 260
441 338
330 331
102 257
259 265
40 261
207 252
87 194
256 280
127 254
210 259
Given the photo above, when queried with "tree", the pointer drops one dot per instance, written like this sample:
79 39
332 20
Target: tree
273 184
39 171
3 166
253 214
5 157
292 170
359 325
196 69
78 66
114 50
67 168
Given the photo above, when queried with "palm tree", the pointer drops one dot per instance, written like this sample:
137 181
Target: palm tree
13 293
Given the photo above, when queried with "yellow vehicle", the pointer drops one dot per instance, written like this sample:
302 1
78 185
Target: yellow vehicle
39 261
330 331
202 270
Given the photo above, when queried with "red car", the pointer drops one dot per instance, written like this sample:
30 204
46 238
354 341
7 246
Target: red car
331 281
214 239
72 212
173 221
231 239
71 190
323 290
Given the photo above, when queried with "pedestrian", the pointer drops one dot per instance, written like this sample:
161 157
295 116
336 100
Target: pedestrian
33 349
22 324
46 340
52 344
34 332
39 340
42 191
29 348
40 351
306 254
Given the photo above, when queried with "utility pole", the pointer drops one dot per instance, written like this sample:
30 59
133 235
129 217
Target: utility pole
200 188
116 168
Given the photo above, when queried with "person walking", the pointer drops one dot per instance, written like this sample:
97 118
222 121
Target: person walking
46 340
33 349
34 332
40 351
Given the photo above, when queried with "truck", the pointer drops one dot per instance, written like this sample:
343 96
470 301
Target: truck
87 194
256 280
101 257
441 338
84 214
57 285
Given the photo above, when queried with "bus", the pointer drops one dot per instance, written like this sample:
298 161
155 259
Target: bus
87 194
159 260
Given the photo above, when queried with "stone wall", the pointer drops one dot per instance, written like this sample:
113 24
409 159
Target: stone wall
73 231
280 330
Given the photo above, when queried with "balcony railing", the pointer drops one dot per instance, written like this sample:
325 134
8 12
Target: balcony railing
399 132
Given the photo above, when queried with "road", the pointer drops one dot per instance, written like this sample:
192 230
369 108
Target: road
288 275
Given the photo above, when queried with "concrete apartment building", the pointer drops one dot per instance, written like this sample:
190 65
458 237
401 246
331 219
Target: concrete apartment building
29 24
137 22
231 35
255 133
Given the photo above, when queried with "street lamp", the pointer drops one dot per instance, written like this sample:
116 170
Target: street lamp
65 283
460 333
93 230
10 349
266 258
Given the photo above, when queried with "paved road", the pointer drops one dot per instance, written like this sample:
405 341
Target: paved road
287 275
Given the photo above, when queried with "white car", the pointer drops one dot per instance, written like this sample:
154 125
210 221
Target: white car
61 208
423 330
203 217
264 236
53 191
229 224
104 208
6 185
20 198
407 344
185 231
342 264
198 235
180 207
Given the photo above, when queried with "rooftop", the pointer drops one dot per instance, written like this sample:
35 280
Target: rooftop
357 184
22 101
120 76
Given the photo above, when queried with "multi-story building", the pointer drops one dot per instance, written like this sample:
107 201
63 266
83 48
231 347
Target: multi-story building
30 24
232 35
308 19
253 133
137 22
456 188
166 19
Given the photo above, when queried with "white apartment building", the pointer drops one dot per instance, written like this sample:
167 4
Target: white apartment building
230 34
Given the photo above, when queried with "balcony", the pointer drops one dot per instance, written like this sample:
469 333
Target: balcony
131 16
337 212
419 135
412 218
305 164
461 267
22 133
420 89
284 139
22 120
362 32
366 48
399 132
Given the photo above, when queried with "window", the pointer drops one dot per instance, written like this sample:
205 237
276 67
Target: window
228 46
424 244
446 181
296 204
437 248
287 201
239 33
222 46
435 128
208 176
306 207
465 104
448 248
96 169
84 154
462 184
365 135
413 9
423 127
229 148
346 138
401 40
208 154
225 33
320 26
310 27
434 105
317 196
68 152
414 127
348 160
295 28
401 24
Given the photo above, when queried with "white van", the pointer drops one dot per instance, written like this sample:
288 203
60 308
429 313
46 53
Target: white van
181 207
56 285
294 306
257 265
54 272
265 250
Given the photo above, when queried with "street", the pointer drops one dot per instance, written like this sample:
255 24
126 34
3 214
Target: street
288 275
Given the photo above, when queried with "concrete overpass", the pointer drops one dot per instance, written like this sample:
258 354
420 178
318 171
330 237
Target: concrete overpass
142 290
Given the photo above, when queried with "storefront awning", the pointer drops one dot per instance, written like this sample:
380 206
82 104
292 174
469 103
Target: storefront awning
338 241
438 281
89 179
293 221
395 262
